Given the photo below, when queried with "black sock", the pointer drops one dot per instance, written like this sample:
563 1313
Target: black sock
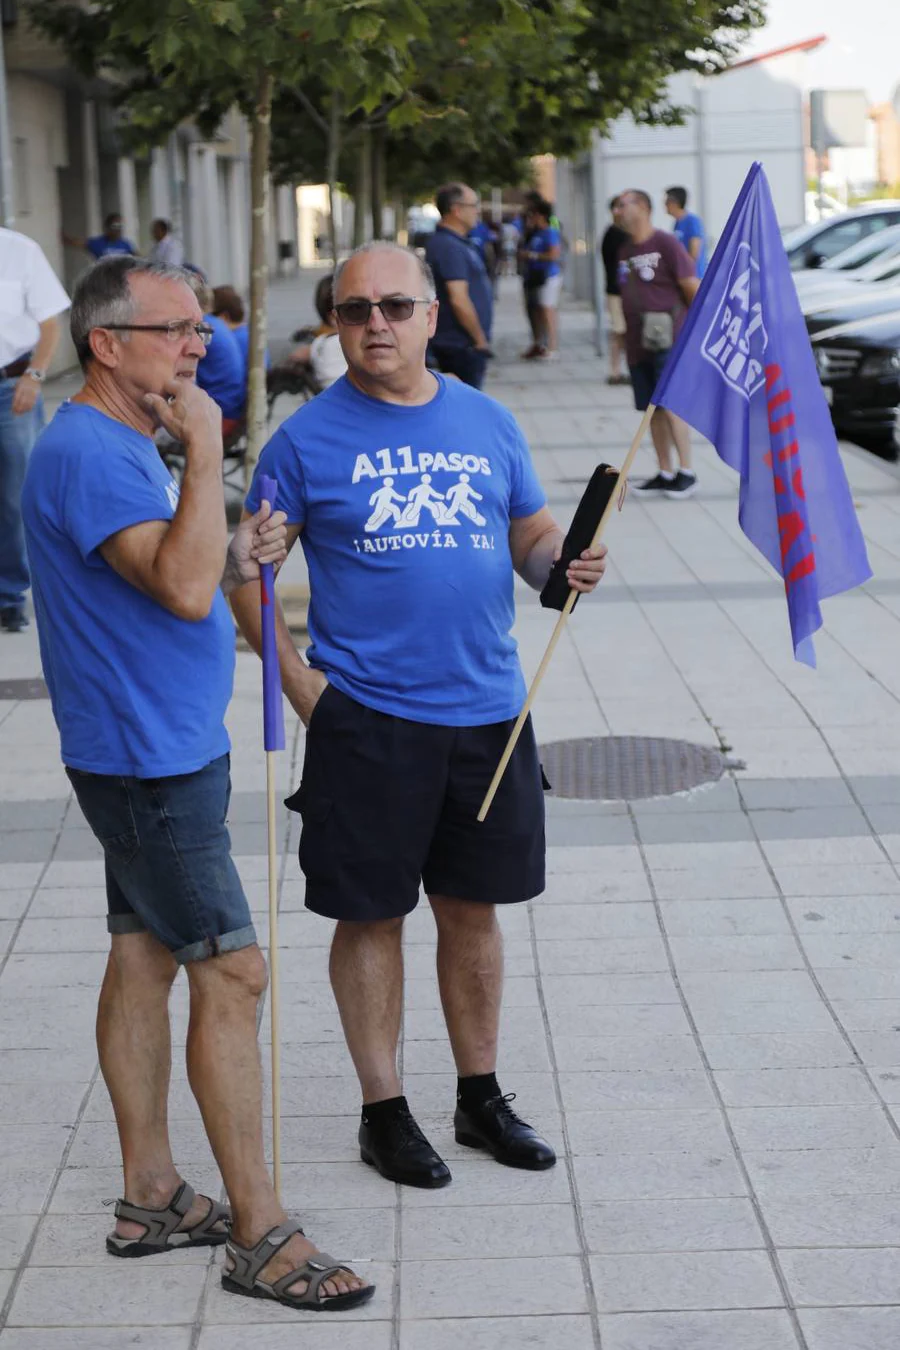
477 1089
374 1113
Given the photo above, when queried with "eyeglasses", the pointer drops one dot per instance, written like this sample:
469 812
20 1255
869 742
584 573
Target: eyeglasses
176 330
395 309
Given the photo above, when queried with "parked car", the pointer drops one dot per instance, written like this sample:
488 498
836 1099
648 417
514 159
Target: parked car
858 360
872 249
812 245
849 290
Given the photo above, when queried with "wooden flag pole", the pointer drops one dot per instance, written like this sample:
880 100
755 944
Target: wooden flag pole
274 987
562 620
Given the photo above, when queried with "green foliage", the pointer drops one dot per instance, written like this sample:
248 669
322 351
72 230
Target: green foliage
492 84
172 59
465 87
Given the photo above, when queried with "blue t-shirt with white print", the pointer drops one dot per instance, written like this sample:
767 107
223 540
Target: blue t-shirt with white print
406 514
136 691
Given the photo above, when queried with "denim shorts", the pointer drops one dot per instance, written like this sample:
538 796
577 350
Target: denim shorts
169 869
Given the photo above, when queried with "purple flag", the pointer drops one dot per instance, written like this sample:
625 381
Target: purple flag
743 374
273 709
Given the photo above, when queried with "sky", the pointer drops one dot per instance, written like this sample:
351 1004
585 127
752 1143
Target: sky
863 50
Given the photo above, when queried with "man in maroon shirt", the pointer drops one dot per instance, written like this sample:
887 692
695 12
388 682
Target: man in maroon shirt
657 282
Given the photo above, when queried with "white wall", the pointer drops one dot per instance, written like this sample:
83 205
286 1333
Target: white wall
748 113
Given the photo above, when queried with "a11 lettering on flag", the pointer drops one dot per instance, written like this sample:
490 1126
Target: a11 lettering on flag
743 374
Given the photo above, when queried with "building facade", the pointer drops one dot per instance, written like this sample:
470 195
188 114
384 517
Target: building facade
65 169
754 110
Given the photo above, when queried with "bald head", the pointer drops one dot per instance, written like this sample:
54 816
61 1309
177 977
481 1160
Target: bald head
382 353
412 272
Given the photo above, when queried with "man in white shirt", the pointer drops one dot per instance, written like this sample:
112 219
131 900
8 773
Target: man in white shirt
31 298
166 247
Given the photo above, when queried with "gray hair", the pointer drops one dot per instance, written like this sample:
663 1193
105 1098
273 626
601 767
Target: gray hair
103 296
387 246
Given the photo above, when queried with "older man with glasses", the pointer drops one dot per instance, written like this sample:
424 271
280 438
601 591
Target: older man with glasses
415 501
137 645
461 342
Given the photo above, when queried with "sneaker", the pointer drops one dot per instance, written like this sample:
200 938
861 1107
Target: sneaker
683 486
653 486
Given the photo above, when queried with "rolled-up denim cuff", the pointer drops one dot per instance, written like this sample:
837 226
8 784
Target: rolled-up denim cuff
124 923
217 946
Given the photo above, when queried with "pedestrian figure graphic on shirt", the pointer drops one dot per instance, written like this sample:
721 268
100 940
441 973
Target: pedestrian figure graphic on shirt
383 501
462 497
424 496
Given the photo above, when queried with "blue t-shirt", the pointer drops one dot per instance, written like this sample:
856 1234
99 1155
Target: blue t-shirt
242 338
99 246
691 227
406 514
480 235
135 690
222 372
541 241
453 258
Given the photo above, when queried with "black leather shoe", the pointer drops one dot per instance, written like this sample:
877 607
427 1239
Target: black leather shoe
13 619
495 1126
398 1149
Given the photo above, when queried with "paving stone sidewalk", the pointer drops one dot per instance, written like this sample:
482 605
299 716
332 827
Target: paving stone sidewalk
703 1010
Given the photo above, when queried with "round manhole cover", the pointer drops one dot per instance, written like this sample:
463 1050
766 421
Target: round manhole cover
628 768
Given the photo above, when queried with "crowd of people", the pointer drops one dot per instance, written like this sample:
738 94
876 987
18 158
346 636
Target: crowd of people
651 277
130 575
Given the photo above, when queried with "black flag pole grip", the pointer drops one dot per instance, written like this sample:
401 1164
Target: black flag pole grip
589 512
618 484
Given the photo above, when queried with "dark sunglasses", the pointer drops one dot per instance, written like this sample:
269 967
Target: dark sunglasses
395 309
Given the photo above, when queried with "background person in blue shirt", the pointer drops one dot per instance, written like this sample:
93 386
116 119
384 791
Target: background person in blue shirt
543 278
484 237
222 372
137 647
415 502
111 240
461 342
688 227
228 306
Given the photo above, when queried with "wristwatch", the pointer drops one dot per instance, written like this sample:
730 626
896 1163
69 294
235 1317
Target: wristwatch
39 375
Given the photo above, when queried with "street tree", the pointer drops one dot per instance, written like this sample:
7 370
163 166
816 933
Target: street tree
170 60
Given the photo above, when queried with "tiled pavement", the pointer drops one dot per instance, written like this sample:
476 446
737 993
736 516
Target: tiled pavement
703 1010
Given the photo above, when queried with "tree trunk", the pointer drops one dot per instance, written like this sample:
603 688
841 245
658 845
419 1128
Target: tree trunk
260 143
363 196
378 183
333 160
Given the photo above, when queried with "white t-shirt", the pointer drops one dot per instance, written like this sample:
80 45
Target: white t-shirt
168 250
29 293
327 359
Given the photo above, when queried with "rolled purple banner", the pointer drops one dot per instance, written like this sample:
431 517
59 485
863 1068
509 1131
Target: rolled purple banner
273 709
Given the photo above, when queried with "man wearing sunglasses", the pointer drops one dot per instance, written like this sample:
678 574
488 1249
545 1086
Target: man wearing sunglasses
415 502
461 342
137 646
